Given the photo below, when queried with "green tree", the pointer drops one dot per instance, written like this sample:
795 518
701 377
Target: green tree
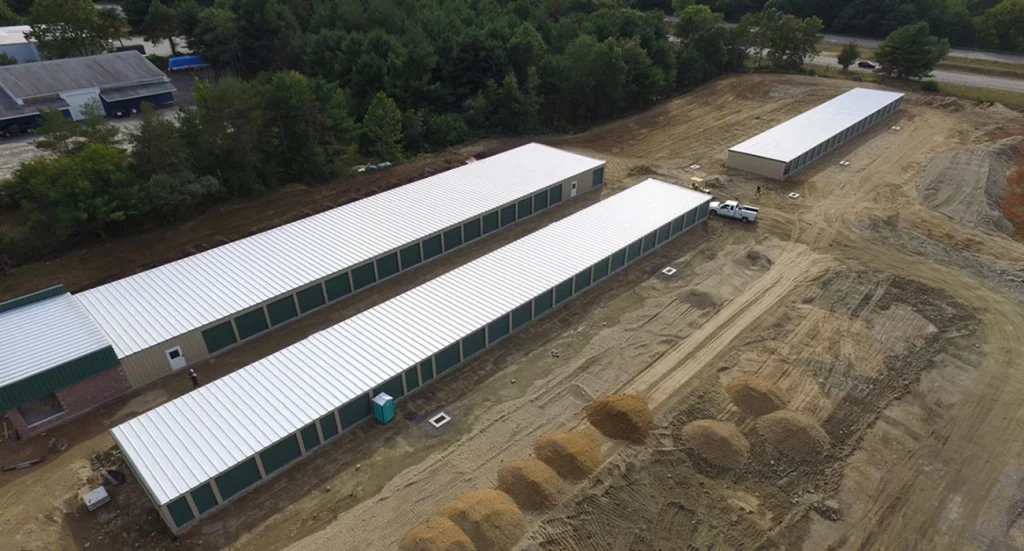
112 25
156 147
784 40
383 127
6 59
1002 26
911 51
67 28
706 40
7 15
63 136
161 23
217 38
175 196
848 55
526 50
414 131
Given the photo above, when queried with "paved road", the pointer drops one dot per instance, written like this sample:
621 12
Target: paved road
966 79
955 52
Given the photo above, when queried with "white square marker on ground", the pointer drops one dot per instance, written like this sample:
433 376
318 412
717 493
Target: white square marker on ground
669 271
439 420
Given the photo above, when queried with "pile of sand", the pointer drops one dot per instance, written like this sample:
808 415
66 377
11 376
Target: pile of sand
717 442
797 435
573 455
531 483
490 518
436 534
755 397
621 416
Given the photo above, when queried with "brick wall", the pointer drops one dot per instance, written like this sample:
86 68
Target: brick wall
77 399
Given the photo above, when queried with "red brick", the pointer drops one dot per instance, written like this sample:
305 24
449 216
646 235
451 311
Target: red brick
77 399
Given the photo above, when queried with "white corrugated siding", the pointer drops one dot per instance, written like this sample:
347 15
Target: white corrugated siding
796 136
187 441
151 307
45 334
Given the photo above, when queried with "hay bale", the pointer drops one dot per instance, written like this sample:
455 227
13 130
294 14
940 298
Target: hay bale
717 442
621 416
795 434
573 455
436 534
755 397
490 518
531 483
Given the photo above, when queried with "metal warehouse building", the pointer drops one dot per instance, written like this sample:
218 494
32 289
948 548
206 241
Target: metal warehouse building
203 449
174 315
796 143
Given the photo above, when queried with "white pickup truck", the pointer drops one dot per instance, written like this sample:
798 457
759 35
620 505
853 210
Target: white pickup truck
734 209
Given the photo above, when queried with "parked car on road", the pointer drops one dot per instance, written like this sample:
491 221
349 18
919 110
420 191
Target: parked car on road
866 64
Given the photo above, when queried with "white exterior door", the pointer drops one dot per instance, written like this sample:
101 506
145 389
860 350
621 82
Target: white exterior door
572 189
176 358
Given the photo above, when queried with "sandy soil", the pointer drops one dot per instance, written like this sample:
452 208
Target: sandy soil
898 327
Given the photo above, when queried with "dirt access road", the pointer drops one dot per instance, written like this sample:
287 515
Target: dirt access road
896 326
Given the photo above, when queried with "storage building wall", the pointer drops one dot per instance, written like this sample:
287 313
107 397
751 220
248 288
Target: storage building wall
152 363
183 511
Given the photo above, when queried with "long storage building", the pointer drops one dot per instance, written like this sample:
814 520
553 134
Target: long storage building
174 315
207 447
793 145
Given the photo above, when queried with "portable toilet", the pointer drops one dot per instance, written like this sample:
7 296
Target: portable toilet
383 408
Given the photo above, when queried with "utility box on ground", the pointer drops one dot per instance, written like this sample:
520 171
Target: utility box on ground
383 408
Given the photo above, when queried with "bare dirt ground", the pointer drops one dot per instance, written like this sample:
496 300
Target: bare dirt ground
899 327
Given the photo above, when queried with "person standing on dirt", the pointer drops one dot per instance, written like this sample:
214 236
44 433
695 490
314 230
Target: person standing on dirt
758 192
194 378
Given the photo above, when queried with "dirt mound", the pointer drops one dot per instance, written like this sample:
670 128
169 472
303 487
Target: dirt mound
701 300
436 534
531 483
573 455
950 183
757 259
490 518
754 397
717 442
621 416
795 434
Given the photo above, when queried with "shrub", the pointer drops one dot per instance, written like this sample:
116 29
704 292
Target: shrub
929 86
159 60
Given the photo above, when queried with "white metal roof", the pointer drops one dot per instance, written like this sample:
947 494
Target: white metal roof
14 34
45 334
153 306
187 441
794 137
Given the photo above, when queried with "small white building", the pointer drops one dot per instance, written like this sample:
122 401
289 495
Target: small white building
14 43
787 148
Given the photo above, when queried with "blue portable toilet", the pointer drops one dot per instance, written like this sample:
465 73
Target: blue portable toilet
383 408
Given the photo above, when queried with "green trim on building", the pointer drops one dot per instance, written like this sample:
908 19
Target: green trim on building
524 208
563 291
543 302
490 222
508 215
702 211
540 201
471 230
412 379
57 377
426 370
453 238
363 276
203 498
555 195
677 226
387 266
240 477
581 281
219 337
282 310
650 240
691 217
180 512
310 298
522 315
354 411
633 251
411 256
392 387
598 176
25 300
601 270
663 233
329 426
618 259
310 437
473 343
497 329
432 247
280 454
251 323
447 358
338 287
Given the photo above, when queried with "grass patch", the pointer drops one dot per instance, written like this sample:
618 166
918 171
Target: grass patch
1012 100
960 64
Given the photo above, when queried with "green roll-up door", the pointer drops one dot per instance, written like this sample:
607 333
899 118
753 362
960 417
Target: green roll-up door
563 291
540 201
363 276
280 454
618 259
453 238
555 195
663 233
598 176
251 323
203 498
633 251
601 270
329 426
471 230
219 337
677 225
180 512
490 222
497 329
238 478
447 358
508 215
522 315
432 247
412 378
543 302
282 310
310 437
393 387
426 370
387 266
649 240
411 256
525 207
354 411
338 286
310 298
473 343
691 218
581 281
702 211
